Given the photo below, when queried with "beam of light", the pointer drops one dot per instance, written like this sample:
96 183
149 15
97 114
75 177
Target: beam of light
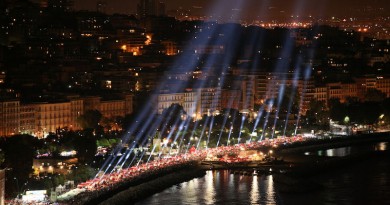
182 138
241 127
306 78
142 144
172 131
179 132
193 133
163 130
280 99
143 115
152 131
127 157
215 99
269 107
292 94
282 66
307 75
140 158
230 133
210 131
203 130
192 66
138 137
131 162
258 118
122 158
226 114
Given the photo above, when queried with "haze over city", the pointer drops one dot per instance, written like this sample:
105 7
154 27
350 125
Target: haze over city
194 102
257 9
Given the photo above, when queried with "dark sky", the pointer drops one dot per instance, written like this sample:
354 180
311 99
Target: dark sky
250 9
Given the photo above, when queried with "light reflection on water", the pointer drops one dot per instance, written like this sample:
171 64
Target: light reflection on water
219 187
254 194
210 191
383 146
345 151
368 178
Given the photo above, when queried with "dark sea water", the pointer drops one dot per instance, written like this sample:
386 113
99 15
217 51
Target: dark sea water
363 182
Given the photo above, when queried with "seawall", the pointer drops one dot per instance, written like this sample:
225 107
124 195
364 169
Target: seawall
141 191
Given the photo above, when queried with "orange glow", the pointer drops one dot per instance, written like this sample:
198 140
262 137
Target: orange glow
124 47
148 39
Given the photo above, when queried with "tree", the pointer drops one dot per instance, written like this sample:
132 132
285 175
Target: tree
86 147
2 158
374 95
318 114
172 114
82 173
90 119
18 158
103 142
337 110
366 112
19 154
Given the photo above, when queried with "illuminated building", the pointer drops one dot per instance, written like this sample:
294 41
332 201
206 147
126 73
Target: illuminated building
131 40
91 24
76 110
321 94
191 104
51 116
41 118
170 48
188 100
53 166
27 119
379 58
301 37
9 117
248 93
111 107
371 82
267 85
115 79
210 100
231 99
342 91
164 101
91 103
364 84
195 102
383 85
209 49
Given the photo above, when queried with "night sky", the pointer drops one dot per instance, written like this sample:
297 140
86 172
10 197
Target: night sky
255 9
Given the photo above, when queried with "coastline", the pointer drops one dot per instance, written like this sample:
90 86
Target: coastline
294 162
96 197
136 193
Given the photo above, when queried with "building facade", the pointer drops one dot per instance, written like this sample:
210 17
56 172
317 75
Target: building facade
41 118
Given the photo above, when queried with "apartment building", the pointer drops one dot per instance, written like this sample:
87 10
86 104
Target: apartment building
41 118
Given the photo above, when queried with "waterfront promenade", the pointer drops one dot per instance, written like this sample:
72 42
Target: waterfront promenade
284 158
